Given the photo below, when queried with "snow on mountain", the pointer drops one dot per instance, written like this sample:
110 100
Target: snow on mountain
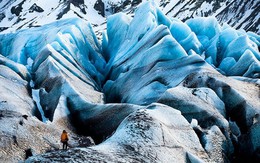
241 14
137 93
21 14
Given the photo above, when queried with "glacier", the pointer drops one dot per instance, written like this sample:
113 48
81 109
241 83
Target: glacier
136 92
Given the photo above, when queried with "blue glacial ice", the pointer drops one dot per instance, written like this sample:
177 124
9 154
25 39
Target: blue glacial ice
141 60
72 36
62 59
138 59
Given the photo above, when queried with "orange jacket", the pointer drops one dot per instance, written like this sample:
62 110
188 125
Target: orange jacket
64 137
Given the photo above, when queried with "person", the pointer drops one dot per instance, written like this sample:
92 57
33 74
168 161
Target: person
64 139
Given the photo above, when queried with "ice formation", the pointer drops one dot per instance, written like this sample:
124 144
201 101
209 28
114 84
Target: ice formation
190 66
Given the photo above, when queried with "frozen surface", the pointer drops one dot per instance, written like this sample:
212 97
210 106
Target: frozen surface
36 98
155 130
196 69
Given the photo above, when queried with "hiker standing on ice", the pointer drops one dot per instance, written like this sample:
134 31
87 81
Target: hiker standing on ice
64 139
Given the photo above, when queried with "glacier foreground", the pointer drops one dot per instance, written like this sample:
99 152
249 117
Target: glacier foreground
155 90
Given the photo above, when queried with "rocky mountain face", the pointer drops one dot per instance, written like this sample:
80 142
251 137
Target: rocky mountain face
240 14
154 89
21 14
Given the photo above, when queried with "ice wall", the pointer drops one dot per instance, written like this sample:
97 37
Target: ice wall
142 60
